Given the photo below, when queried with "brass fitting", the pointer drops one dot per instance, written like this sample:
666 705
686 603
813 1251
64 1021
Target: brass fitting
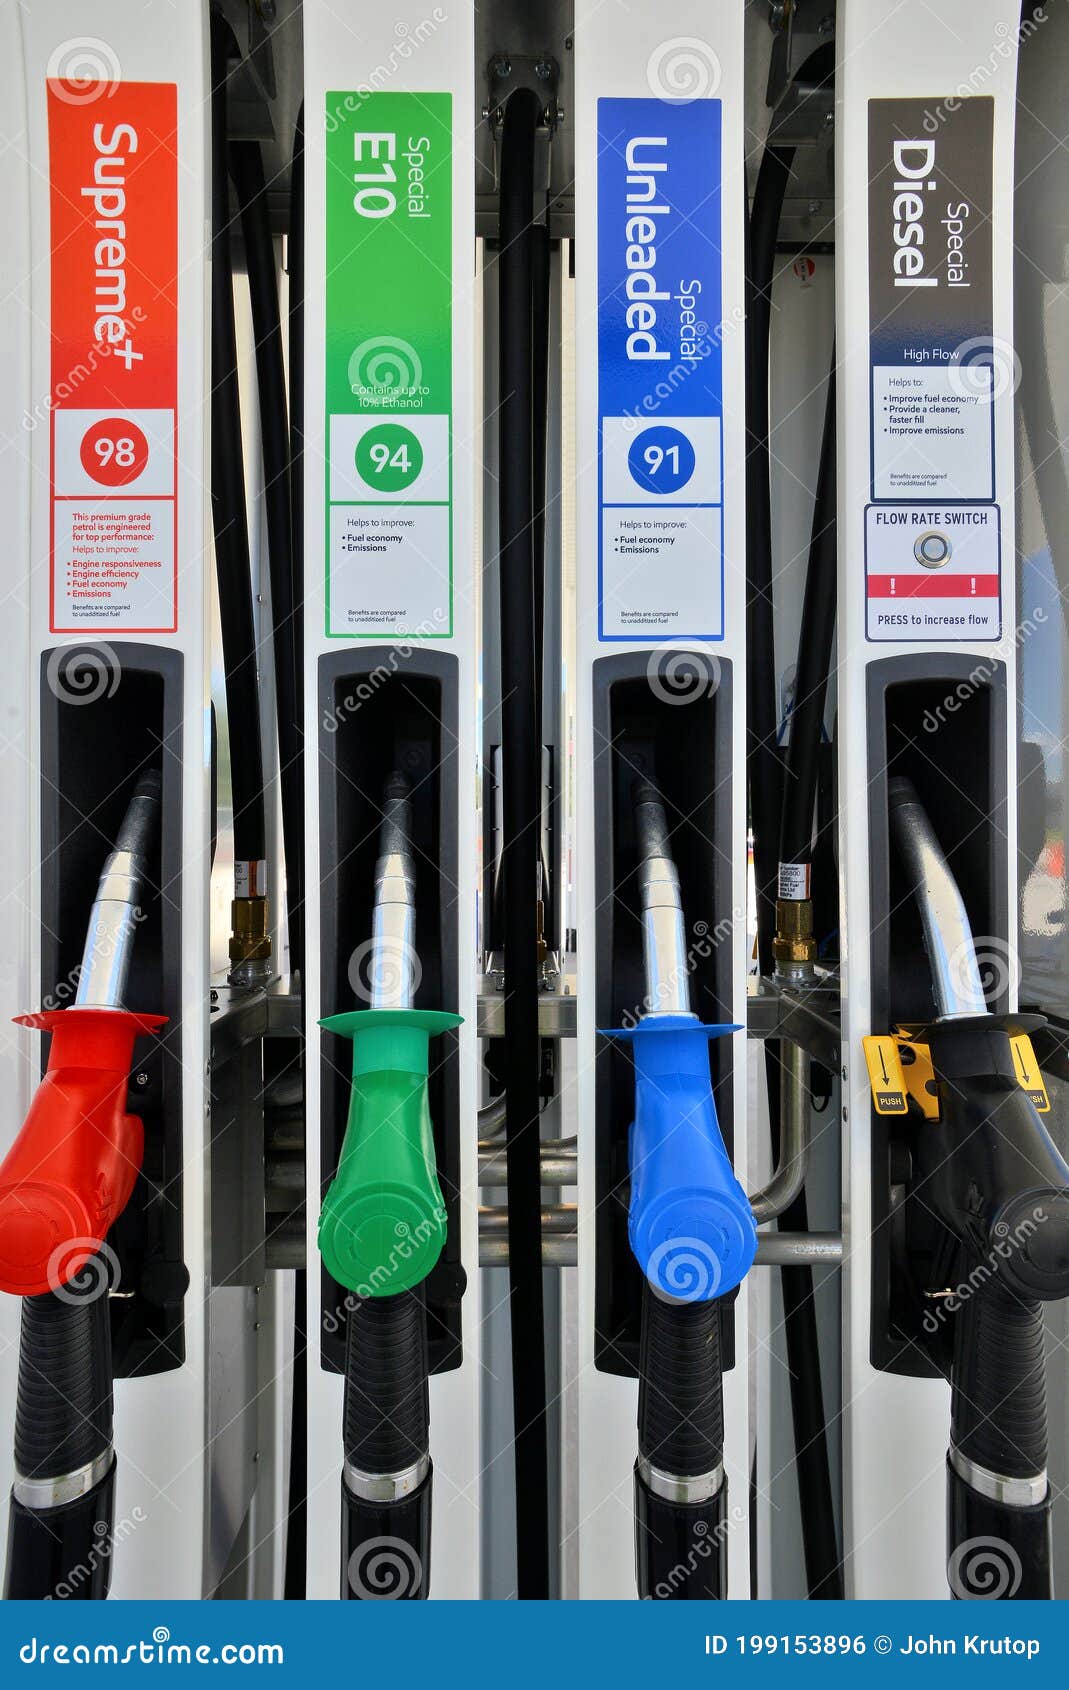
794 941
250 940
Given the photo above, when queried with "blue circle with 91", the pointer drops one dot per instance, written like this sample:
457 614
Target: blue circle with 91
661 460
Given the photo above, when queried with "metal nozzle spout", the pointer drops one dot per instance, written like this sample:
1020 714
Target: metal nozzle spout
948 936
663 934
393 930
116 909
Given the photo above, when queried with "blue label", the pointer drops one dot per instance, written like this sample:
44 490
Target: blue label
660 370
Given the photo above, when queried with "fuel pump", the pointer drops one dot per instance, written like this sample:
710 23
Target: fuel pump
987 1170
390 688
661 631
63 1184
927 662
381 1231
692 1233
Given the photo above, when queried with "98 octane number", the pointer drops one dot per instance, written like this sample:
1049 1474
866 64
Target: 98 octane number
786 1643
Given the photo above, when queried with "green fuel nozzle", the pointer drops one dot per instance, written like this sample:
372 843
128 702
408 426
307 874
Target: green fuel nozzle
383 1225
383 1222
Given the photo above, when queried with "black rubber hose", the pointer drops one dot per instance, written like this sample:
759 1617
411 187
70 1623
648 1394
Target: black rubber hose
998 1410
681 1386
247 170
820 1537
680 1546
387 1412
996 1550
386 1543
765 781
228 499
63 1412
295 257
521 799
63 1422
540 275
297 1513
764 776
815 638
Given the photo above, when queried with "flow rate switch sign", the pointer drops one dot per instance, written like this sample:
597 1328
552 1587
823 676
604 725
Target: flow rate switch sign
389 365
660 380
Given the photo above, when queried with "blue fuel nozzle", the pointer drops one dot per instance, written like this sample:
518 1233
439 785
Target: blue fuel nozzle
690 1225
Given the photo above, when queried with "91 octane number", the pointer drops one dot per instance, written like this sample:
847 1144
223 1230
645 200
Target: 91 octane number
374 155
800 1643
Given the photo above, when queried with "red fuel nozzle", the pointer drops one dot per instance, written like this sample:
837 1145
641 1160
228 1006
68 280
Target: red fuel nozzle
70 1171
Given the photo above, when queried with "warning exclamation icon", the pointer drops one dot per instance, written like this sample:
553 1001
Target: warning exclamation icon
972 586
894 585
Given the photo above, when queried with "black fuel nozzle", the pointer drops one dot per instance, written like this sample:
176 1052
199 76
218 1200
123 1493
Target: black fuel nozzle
990 1172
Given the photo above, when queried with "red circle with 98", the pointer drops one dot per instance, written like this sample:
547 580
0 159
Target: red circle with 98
114 451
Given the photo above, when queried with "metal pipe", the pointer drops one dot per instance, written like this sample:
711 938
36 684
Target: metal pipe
113 920
799 1249
774 1249
491 1117
948 937
393 927
558 1251
664 942
557 1219
788 1180
559 1165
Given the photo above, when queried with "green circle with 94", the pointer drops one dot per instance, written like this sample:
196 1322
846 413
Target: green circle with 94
388 457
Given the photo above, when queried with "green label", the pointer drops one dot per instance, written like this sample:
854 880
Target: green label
389 350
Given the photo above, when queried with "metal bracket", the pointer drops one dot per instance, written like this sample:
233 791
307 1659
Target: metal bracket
809 1018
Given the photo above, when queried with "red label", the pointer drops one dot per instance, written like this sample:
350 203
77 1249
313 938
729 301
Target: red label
114 242
957 586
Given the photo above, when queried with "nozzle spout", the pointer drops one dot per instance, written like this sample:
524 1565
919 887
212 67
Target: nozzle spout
948 936
116 909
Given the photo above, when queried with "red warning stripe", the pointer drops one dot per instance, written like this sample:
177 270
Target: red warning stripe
933 586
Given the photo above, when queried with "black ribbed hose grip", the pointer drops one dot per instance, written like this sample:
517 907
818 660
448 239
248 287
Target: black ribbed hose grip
63 1414
680 1393
387 1414
998 1403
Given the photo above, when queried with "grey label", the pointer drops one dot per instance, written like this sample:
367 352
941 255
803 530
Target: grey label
930 192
